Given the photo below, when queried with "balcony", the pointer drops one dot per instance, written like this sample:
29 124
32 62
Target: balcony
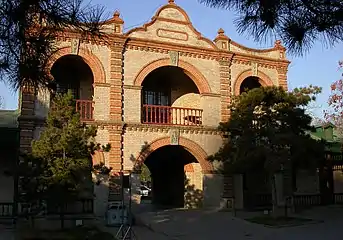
85 108
166 115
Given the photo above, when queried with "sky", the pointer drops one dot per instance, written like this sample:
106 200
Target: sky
318 67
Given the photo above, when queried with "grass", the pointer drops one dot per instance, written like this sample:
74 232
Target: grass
278 221
78 233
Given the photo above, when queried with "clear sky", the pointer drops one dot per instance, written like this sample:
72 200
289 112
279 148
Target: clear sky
319 67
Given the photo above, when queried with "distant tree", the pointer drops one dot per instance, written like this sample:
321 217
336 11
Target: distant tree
145 175
28 31
59 168
298 23
335 114
268 132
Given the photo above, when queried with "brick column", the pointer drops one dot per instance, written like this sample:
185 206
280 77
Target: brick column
116 105
225 88
26 118
282 76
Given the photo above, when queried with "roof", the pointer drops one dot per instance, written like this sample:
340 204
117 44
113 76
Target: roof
9 118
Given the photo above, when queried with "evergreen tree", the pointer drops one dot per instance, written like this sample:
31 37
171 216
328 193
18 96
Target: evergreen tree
268 132
59 168
298 23
28 31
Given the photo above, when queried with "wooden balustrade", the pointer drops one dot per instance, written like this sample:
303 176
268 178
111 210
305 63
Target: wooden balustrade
167 115
85 108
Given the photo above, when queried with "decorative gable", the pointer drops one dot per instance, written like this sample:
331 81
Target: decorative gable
171 24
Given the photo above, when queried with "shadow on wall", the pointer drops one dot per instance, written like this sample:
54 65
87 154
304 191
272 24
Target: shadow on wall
193 197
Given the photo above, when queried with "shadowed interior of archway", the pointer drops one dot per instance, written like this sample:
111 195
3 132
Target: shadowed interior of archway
72 73
166 166
171 97
249 83
166 86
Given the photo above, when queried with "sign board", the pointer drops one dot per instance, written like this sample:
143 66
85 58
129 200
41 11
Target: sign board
174 137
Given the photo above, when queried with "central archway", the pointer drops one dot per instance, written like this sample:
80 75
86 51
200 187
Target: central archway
176 172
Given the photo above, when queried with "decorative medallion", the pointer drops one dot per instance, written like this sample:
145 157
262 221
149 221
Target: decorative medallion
254 69
174 58
174 137
75 45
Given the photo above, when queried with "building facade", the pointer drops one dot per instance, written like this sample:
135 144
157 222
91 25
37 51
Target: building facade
157 94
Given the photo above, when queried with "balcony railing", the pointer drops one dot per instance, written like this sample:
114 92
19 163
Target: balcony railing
167 115
85 108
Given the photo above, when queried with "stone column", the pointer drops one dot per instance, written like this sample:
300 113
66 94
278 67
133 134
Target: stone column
238 191
212 190
132 104
101 101
101 190
210 103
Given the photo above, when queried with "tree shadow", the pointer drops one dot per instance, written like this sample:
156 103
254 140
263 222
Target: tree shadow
193 196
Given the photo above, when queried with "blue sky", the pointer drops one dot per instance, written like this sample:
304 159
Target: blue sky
319 67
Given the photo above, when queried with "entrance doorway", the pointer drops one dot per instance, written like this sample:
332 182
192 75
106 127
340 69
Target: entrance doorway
167 168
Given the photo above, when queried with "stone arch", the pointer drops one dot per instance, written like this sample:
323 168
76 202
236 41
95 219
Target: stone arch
189 145
191 71
264 80
89 58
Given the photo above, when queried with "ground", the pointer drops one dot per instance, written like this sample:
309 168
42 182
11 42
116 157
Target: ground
219 225
203 225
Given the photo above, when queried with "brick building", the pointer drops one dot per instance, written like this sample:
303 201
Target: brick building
157 93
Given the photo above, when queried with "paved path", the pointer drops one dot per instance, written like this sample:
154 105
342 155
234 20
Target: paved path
203 225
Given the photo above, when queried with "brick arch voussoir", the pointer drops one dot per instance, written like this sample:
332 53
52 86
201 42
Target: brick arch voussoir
264 80
92 61
196 76
192 147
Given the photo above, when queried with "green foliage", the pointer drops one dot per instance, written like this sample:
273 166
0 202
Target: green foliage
145 175
60 163
298 23
268 130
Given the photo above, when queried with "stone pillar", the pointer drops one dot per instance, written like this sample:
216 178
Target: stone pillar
101 101
280 200
132 104
238 191
210 103
101 190
212 190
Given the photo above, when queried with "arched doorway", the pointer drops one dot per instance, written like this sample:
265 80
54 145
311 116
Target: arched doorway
170 96
249 83
168 166
72 73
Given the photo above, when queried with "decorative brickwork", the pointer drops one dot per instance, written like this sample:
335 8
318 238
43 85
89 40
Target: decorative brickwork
199 80
189 145
264 80
225 89
93 62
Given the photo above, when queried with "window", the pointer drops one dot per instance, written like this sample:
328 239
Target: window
156 98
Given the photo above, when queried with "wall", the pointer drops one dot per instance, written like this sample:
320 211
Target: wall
136 137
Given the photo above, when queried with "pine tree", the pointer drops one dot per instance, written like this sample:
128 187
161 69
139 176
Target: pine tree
59 168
